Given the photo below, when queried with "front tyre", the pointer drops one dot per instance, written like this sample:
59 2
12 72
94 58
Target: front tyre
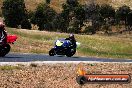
70 53
5 50
52 52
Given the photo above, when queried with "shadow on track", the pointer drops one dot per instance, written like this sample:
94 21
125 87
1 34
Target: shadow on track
42 57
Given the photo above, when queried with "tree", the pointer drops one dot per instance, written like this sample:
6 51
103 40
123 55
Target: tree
121 13
73 14
0 13
43 17
72 3
79 13
108 14
90 10
97 22
59 23
129 21
48 1
107 11
25 24
14 11
74 26
65 16
30 14
68 13
89 30
92 14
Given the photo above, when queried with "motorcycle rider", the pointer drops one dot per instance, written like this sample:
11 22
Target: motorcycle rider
3 34
72 39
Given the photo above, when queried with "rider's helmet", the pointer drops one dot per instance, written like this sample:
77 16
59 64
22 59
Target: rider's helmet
71 36
2 26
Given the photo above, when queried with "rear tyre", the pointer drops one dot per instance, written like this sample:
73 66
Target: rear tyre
81 80
52 52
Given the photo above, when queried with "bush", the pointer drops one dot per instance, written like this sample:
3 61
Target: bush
72 29
65 16
30 14
72 3
97 21
49 26
107 11
106 28
59 23
48 1
43 16
80 16
121 13
73 10
108 14
25 24
129 18
14 12
90 10
89 30
0 13
129 21
74 25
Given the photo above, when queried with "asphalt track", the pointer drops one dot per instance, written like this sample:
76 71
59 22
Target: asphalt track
15 57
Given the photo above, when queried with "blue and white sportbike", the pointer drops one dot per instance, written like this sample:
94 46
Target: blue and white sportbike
63 47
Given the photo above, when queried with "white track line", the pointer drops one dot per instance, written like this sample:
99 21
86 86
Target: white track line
58 62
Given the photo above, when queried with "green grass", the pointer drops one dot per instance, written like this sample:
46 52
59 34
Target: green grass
30 41
8 67
104 46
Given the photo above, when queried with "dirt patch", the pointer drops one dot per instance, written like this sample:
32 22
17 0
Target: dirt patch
59 76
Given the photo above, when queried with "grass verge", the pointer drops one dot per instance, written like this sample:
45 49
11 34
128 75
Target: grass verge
8 67
30 41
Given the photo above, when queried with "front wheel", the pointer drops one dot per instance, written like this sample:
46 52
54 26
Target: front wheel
5 50
52 52
71 52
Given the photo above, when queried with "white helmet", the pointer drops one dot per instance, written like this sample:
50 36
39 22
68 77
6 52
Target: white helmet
71 36
2 25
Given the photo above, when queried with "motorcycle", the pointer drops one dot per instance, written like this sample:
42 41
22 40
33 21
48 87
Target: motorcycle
63 47
5 47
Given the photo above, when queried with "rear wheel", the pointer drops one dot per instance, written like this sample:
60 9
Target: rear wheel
81 80
52 52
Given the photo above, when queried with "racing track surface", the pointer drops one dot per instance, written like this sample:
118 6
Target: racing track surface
12 57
